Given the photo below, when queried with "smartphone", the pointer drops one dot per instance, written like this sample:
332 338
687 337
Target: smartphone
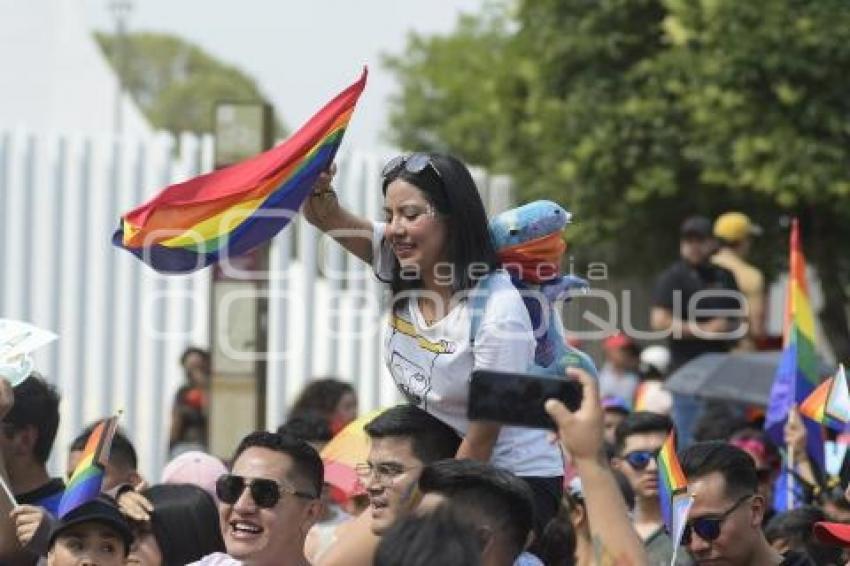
517 399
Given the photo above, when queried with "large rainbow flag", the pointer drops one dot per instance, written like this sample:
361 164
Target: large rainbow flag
86 481
797 373
673 491
228 212
829 403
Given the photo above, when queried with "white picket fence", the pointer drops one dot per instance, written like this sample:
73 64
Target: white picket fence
123 327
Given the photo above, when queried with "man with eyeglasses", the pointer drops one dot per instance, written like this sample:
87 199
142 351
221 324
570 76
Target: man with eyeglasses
637 441
724 523
268 502
403 440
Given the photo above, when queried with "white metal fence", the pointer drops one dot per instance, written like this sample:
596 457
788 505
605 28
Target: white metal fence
123 327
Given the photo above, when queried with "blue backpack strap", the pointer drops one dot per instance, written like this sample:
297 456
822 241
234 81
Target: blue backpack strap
477 304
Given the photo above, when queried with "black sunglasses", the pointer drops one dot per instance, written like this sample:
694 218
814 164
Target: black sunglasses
708 528
640 459
265 492
414 163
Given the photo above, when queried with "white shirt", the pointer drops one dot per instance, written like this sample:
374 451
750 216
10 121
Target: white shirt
431 365
217 559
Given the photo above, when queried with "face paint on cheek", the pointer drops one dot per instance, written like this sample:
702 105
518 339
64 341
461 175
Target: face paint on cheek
411 496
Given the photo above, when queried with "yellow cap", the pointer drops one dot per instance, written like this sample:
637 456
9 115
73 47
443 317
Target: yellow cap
734 227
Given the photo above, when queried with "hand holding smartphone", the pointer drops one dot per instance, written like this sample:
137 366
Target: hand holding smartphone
517 399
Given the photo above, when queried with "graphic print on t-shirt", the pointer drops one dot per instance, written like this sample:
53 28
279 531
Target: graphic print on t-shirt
412 373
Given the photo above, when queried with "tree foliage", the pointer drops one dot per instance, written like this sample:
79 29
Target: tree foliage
176 83
636 113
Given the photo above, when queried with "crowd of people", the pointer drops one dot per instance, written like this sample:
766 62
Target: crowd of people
437 488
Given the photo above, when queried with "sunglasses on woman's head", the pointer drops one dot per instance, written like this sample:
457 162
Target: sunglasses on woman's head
640 459
708 528
414 163
265 492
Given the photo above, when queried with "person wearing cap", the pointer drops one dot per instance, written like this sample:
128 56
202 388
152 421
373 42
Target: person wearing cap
616 410
734 231
618 376
698 305
95 533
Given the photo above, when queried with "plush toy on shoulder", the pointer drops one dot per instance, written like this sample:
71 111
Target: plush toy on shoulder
530 246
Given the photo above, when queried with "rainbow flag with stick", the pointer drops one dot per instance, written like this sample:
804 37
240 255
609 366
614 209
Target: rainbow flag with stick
829 404
797 373
228 212
673 492
86 481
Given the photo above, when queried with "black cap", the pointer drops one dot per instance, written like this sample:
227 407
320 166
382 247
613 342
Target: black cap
102 510
696 227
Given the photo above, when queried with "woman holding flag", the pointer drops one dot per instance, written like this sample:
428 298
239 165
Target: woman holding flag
432 248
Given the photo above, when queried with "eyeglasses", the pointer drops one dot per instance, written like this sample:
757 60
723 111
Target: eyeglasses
640 459
265 492
708 528
384 473
414 163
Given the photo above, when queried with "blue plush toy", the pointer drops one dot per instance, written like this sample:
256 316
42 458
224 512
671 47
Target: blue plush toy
529 244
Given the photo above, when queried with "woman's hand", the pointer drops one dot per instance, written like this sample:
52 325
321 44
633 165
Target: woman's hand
322 203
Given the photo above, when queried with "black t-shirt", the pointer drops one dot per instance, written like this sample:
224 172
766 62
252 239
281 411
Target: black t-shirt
46 496
675 288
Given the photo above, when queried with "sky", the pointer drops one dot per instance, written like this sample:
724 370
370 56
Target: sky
300 52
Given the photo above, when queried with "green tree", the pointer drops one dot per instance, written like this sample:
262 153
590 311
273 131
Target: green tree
636 113
176 83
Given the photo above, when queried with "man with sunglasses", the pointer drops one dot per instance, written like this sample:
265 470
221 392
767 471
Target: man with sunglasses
724 523
637 440
268 502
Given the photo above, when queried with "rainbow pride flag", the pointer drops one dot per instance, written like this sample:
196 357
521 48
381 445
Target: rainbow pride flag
829 403
86 481
228 212
797 373
673 492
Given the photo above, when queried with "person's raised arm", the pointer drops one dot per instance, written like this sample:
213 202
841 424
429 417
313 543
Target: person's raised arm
581 435
322 210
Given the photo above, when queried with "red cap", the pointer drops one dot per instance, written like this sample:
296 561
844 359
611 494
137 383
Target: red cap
835 534
618 340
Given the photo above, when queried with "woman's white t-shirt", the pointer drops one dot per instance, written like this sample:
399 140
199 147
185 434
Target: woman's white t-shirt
431 365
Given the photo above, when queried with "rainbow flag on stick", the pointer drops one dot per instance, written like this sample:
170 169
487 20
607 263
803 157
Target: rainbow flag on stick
228 212
86 481
829 404
797 374
673 492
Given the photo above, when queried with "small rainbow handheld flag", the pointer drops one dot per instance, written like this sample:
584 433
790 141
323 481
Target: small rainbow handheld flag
228 212
673 492
829 404
86 481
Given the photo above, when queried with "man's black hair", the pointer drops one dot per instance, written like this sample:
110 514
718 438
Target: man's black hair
639 422
431 438
36 405
122 453
483 492
307 465
439 538
795 527
194 350
308 426
735 465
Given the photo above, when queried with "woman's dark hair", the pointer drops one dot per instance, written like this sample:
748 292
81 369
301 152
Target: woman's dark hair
184 522
321 396
454 195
